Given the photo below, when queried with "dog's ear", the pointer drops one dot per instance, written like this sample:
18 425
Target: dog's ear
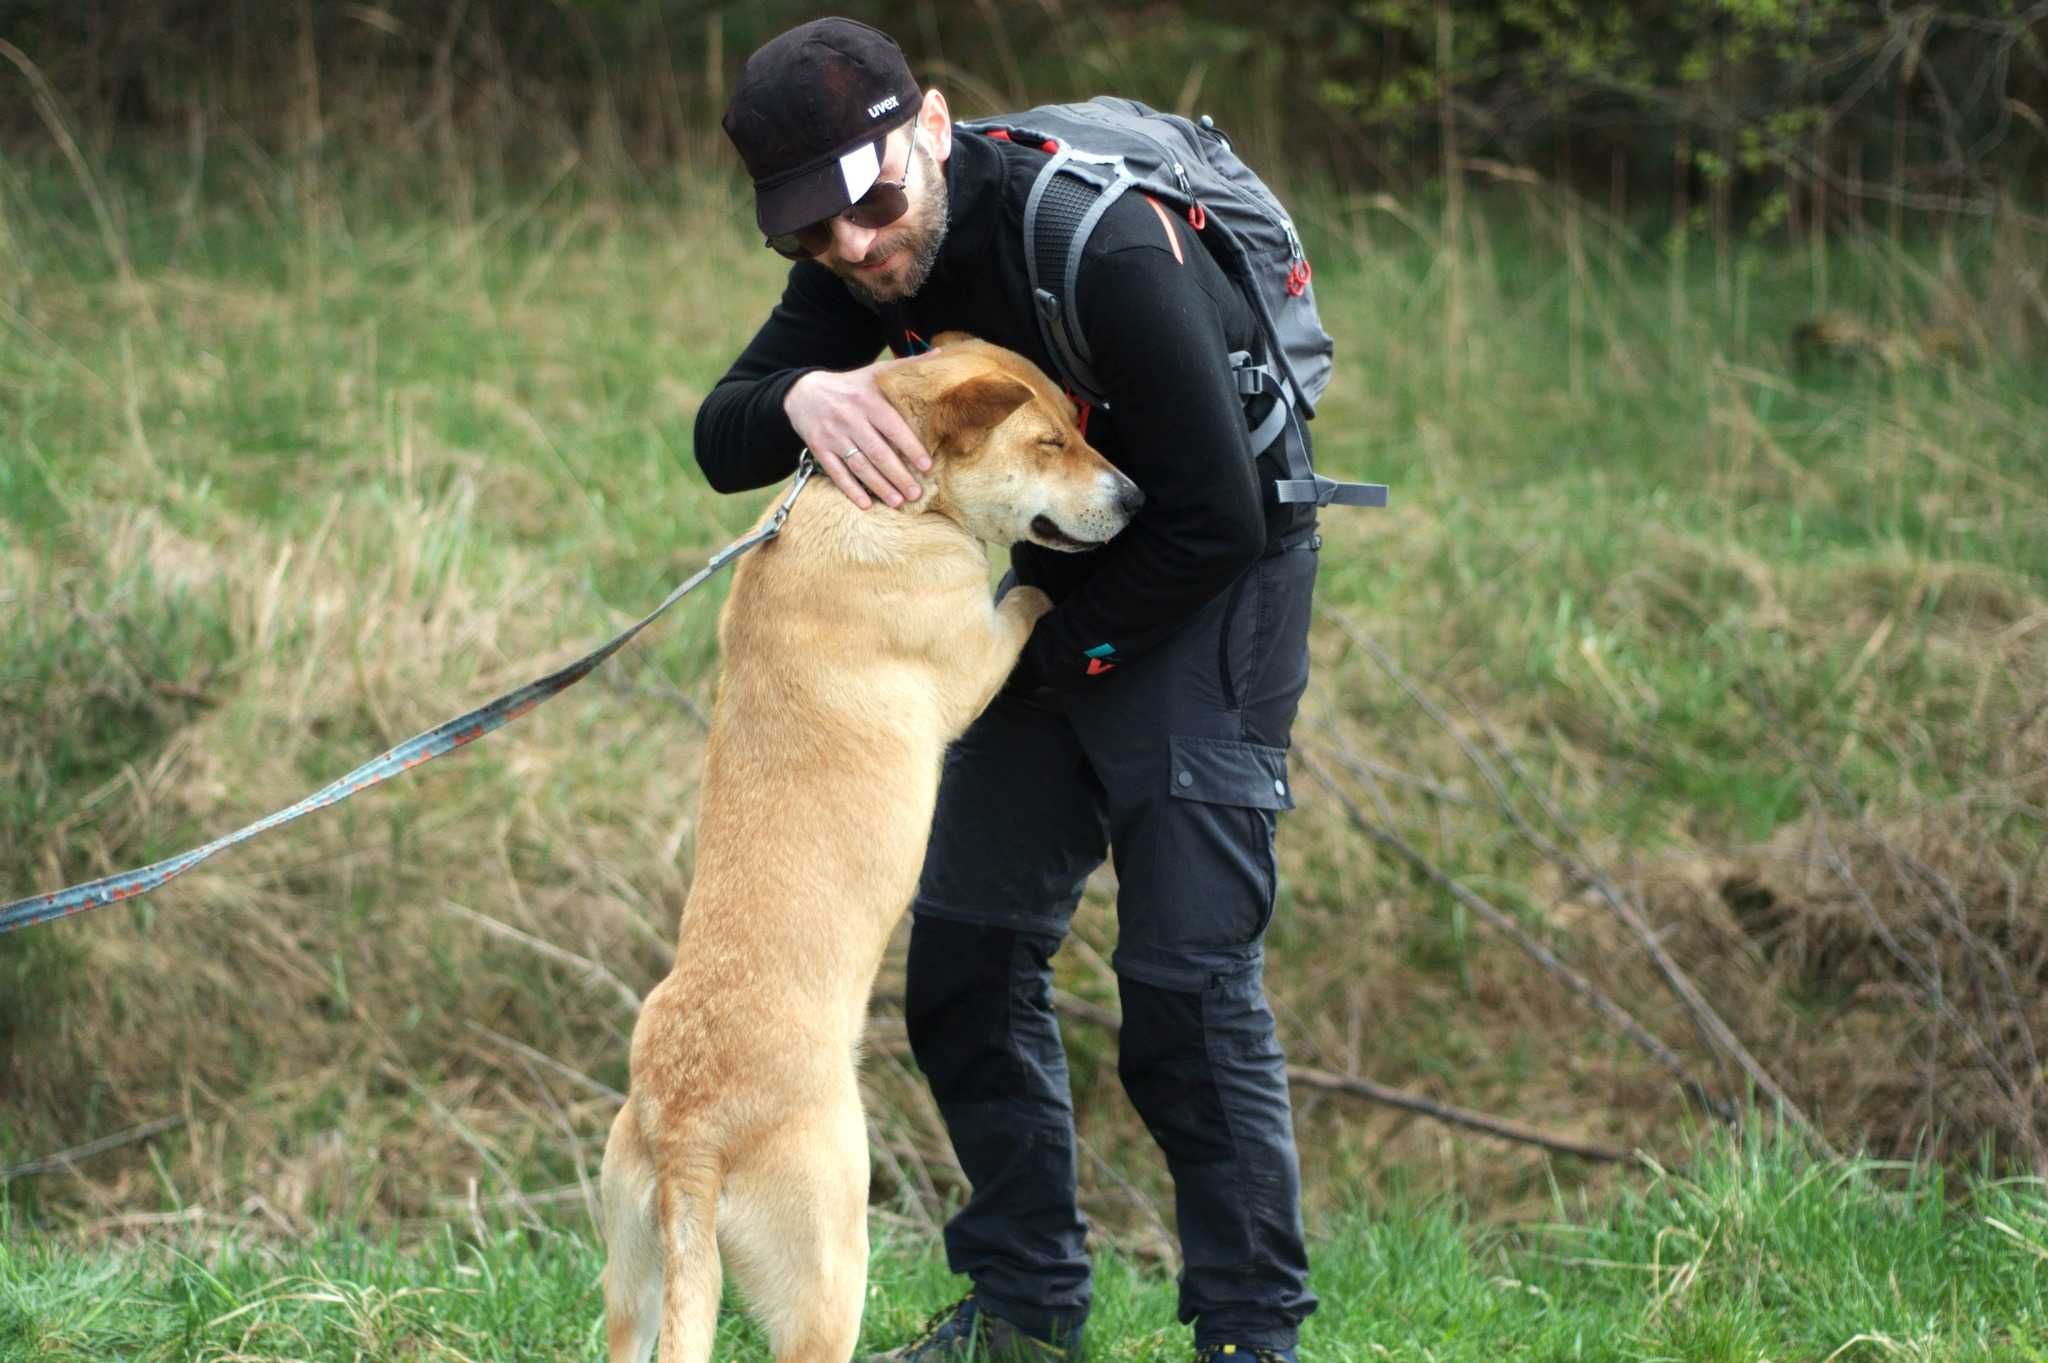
970 409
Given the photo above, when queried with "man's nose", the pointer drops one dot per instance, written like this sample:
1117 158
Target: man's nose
851 243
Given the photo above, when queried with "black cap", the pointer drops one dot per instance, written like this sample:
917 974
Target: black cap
809 117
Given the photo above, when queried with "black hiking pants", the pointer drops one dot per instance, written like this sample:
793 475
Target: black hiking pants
1176 766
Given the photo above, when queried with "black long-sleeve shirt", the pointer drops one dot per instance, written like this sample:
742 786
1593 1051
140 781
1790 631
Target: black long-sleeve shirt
1160 319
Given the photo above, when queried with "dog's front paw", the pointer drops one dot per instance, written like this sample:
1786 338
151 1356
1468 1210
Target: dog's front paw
1028 603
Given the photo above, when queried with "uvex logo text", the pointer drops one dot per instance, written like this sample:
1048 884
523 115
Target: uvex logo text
877 110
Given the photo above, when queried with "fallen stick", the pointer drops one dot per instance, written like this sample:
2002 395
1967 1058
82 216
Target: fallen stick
590 970
1584 989
1712 1029
64 1159
1302 1076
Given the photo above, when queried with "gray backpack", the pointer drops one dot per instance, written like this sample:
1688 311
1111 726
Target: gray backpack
1099 150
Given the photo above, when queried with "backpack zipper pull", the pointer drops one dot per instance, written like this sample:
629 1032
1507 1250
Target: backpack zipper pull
1297 268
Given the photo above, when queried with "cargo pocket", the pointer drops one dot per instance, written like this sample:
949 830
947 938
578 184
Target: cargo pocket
1226 798
1223 771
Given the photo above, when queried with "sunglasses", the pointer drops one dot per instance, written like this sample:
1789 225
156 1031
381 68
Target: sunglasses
887 201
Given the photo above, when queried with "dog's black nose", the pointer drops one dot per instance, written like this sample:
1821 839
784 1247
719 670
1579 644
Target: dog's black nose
1128 498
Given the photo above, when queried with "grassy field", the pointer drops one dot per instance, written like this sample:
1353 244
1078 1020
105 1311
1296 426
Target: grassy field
299 459
1755 1254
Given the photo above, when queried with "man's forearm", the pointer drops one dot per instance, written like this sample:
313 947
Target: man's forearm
743 436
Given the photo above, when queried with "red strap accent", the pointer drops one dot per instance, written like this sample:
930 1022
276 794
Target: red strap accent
1198 217
1298 277
1096 667
1003 135
1172 237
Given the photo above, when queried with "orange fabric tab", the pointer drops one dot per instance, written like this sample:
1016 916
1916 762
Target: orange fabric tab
1172 237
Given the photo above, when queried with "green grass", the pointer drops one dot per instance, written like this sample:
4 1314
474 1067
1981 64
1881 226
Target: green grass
315 456
1750 1255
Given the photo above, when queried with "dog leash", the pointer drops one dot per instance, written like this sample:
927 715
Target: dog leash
422 748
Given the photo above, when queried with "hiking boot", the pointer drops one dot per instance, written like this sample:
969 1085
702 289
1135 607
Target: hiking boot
964 1333
1241 1353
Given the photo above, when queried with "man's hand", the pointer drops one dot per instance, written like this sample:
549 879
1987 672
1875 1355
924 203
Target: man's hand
861 442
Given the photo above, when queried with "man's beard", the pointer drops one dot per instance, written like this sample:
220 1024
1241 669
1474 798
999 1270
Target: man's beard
922 231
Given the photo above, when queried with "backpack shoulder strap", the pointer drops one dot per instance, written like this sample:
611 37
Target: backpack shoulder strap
1072 192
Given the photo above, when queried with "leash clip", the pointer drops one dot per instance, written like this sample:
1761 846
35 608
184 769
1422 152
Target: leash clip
805 467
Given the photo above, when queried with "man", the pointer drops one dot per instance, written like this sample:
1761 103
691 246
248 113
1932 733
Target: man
1148 717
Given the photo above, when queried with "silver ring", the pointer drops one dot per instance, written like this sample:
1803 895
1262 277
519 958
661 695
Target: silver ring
853 452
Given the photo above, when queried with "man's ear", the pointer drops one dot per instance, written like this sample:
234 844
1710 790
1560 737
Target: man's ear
970 409
937 122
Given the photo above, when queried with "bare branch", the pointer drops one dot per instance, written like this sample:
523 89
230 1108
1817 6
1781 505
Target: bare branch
590 970
1716 1032
64 1159
1301 1076
573 1075
1577 984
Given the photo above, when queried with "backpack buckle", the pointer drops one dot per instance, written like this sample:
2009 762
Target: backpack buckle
1254 378
1328 491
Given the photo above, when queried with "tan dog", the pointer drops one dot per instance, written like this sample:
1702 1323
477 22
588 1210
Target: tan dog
856 646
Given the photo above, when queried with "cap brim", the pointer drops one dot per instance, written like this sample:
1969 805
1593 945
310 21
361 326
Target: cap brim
822 191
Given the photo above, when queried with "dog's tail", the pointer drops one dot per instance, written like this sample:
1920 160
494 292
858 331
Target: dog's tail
691 1276
662 1273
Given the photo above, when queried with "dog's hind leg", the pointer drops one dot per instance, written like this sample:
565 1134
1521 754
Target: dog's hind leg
633 1257
793 1223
